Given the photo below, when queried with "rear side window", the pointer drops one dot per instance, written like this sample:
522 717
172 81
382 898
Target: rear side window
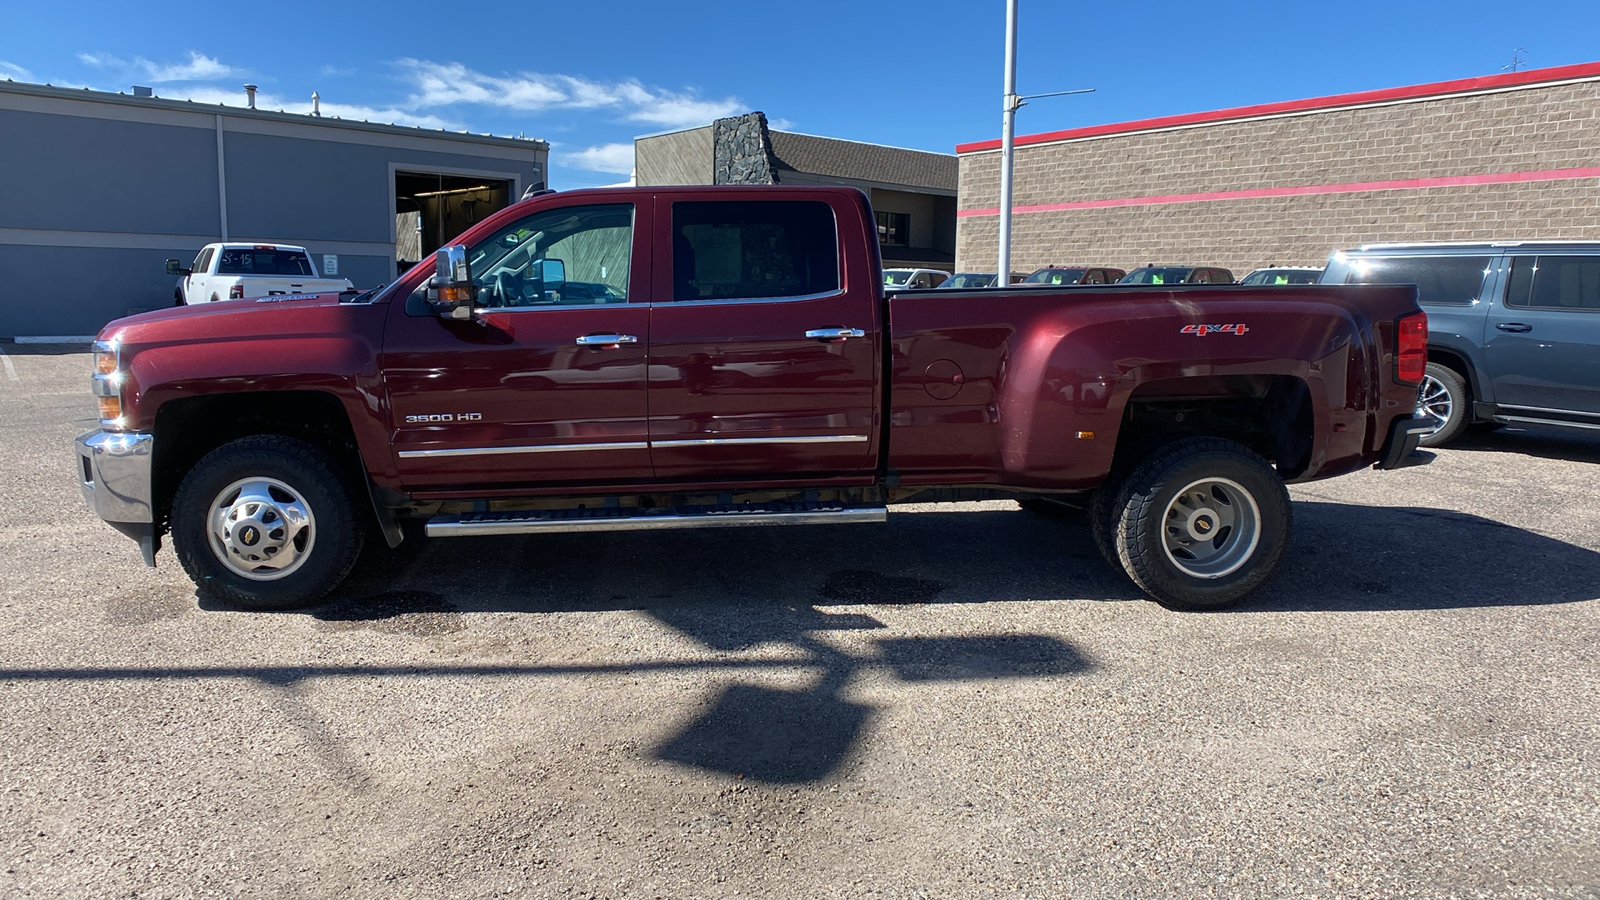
1555 282
1440 280
257 261
735 251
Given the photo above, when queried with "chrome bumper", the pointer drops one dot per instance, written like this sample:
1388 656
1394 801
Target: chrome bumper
114 473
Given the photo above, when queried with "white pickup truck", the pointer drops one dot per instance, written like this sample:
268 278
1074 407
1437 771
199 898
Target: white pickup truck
249 271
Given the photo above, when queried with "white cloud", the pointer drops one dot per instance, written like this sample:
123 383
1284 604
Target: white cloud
445 84
387 115
14 72
199 67
617 158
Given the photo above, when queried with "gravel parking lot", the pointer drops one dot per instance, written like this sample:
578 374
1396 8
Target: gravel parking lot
961 703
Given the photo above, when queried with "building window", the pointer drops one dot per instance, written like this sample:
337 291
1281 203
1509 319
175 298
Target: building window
894 228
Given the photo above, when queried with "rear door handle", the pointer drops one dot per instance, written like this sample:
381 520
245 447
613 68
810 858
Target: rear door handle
606 341
834 334
1517 327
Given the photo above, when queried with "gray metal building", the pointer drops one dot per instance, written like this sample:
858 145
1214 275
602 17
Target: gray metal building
98 189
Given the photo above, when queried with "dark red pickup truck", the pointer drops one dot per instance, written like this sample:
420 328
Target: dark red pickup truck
646 358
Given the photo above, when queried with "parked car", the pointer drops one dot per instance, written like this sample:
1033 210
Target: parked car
1283 275
975 280
1065 275
1514 328
752 376
913 278
1154 274
249 271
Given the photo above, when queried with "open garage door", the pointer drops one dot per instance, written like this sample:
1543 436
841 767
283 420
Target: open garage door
432 207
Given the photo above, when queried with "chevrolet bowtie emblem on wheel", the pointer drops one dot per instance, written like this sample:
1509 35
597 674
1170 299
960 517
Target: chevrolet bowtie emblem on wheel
1203 330
249 536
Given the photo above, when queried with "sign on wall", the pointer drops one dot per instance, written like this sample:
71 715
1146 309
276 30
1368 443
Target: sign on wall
330 264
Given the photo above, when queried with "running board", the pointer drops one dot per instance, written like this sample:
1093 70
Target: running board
1530 420
619 519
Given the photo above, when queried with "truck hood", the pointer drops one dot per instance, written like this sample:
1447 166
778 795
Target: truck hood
229 319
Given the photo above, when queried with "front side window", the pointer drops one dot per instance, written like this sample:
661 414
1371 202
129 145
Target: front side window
573 256
1441 280
264 261
731 250
1555 282
201 262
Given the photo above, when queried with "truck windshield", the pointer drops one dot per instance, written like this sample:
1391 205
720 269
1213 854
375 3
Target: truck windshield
897 276
256 261
1157 275
1055 276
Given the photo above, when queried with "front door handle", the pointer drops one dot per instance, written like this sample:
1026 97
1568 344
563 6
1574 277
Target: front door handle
834 334
607 341
1517 327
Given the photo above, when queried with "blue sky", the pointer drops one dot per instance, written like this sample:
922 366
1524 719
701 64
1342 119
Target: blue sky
589 77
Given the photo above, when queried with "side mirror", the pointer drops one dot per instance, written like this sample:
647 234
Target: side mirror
176 268
451 292
549 271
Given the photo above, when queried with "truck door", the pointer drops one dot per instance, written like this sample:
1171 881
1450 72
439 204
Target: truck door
1544 337
764 348
547 385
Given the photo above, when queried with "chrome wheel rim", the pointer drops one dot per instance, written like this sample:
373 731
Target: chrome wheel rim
261 528
1434 403
1211 528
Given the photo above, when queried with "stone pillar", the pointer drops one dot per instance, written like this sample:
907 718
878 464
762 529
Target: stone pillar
742 151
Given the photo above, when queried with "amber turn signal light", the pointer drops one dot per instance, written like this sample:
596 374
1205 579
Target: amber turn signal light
110 408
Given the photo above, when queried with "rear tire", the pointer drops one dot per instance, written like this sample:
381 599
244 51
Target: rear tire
265 522
1443 400
1200 524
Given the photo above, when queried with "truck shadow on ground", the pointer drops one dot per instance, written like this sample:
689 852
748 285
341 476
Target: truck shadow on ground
706 583
1572 445
731 591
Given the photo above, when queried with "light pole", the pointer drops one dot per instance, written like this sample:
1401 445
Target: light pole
1008 137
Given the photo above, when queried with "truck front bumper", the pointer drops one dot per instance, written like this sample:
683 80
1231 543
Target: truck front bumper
1400 450
114 473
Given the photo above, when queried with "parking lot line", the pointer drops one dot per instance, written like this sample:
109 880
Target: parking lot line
11 371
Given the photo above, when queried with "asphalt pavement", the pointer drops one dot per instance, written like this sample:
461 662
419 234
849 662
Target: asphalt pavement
963 702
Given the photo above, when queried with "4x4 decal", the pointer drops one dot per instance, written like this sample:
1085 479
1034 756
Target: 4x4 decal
1203 330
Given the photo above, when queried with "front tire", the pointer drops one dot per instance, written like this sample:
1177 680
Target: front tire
1200 524
265 522
1443 400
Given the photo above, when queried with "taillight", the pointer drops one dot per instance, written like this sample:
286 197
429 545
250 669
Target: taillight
1411 348
236 292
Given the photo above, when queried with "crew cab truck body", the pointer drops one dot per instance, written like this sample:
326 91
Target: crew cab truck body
248 271
643 358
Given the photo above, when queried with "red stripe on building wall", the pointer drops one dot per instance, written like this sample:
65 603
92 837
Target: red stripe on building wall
1404 184
1363 98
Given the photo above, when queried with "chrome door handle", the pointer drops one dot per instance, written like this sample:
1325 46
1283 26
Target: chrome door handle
834 334
606 340
1517 327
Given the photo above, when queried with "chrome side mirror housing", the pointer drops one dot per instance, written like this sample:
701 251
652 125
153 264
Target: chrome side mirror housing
451 293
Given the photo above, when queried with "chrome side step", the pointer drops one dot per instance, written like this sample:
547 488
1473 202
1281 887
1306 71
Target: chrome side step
617 519
1530 420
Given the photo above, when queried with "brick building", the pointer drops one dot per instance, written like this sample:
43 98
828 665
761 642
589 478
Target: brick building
1499 157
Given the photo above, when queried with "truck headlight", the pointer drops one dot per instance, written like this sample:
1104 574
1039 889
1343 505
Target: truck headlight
108 379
